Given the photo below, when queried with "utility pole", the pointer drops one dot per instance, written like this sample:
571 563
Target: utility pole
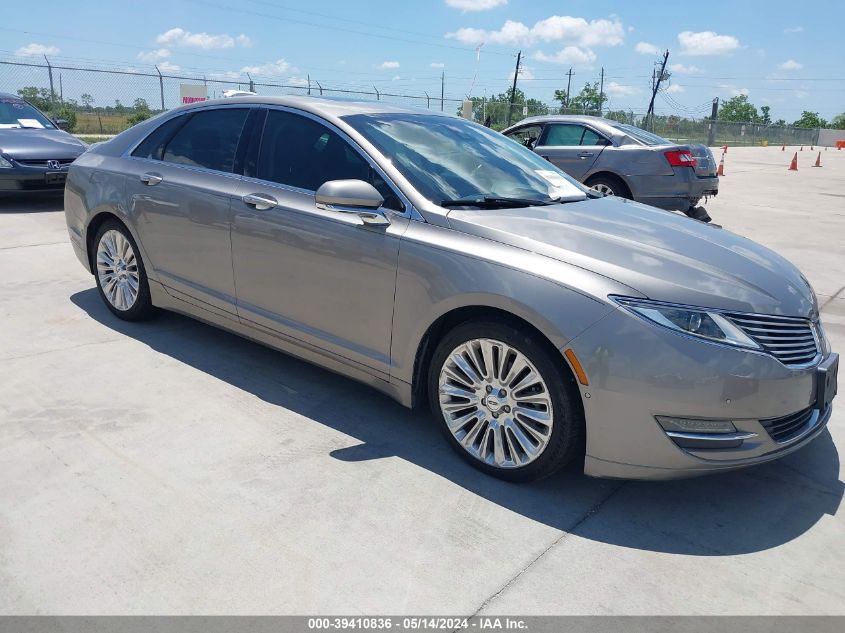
513 89
655 87
309 83
568 89
711 133
601 91
442 88
50 71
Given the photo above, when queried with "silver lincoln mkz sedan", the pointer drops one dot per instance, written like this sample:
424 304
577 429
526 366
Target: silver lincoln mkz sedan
443 263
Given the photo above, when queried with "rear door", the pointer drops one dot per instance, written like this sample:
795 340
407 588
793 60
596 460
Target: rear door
179 187
562 145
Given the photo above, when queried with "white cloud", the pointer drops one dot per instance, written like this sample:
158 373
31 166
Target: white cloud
297 81
675 89
791 64
151 57
733 90
437 65
168 67
395 78
180 37
644 48
565 28
569 55
475 5
389 65
681 69
794 29
801 94
33 49
524 73
619 90
707 43
278 67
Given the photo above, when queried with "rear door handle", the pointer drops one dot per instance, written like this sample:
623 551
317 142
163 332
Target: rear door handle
151 179
584 155
259 201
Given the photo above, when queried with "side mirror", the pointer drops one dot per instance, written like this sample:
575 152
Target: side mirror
352 196
62 124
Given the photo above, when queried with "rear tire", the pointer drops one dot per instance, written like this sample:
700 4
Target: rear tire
609 185
520 434
120 273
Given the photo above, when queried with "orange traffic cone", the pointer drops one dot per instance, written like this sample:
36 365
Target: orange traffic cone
721 169
725 149
793 166
818 160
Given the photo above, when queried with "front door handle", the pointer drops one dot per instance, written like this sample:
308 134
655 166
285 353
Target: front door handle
584 155
151 179
259 201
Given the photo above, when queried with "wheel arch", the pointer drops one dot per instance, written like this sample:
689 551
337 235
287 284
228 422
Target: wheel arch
456 316
604 173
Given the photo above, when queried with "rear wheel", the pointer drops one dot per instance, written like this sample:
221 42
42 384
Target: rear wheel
502 402
609 186
120 274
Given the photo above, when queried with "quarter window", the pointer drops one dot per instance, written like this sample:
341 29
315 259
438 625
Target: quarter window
593 138
209 139
153 146
300 152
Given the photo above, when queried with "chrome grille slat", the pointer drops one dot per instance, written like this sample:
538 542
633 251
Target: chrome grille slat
789 339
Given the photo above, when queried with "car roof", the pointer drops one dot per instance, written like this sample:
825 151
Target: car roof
325 107
8 95
607 125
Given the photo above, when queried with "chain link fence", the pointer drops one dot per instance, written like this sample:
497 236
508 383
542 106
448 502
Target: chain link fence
105 101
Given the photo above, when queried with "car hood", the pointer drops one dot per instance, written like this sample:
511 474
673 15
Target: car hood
663 255
37 144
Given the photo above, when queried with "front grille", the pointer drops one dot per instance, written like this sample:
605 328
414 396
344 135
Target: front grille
786 427
788 339
63 162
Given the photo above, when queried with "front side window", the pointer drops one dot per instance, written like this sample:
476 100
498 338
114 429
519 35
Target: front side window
446 158
527 135
563 135
209 139
300 152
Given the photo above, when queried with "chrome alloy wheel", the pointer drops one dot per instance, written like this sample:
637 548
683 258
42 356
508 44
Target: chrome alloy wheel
117 270
495 403
603 188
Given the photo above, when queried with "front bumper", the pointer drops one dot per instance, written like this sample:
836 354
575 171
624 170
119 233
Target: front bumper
638 371
25 178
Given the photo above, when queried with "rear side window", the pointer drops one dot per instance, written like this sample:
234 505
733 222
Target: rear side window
300 152
563 135
592 138
209 139
153 146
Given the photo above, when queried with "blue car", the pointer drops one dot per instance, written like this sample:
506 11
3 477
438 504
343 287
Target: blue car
34 153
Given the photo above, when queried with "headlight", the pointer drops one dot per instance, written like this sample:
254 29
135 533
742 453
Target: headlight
4 164
700 322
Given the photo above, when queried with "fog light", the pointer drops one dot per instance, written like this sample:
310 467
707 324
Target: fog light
687 425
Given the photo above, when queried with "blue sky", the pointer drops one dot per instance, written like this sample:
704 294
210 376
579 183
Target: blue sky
783 54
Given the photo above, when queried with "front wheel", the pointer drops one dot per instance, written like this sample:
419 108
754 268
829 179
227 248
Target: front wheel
503 404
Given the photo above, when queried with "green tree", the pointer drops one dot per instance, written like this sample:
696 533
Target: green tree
563 97
838 122
765 117
780 122
67 113
619 115
39 97
810 120
87 100
738 108
589 100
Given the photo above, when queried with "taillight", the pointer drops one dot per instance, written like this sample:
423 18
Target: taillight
680 158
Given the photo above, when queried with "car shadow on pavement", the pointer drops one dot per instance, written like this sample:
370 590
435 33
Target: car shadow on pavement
719 515
31 202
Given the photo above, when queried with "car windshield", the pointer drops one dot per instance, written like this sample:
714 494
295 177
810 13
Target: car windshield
17 113
453 162
646 138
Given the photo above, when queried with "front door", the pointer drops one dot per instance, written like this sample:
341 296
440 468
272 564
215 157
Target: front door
318 276
180 189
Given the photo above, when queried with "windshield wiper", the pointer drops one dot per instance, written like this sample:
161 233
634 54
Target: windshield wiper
494 202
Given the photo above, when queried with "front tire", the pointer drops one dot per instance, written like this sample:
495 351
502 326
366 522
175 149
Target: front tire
503 403
120 273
